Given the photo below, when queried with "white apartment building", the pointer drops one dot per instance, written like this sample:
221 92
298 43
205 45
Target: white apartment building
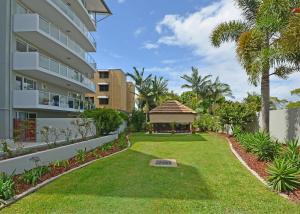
45 65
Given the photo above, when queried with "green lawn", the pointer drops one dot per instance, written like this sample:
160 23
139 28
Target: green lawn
209 179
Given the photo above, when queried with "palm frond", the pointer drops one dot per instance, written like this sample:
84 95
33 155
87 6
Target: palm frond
227 32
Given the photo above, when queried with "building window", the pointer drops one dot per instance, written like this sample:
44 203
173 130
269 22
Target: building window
21 46
104 75
25 115
89 99
20 9
103 101
103 87
29 84
19 83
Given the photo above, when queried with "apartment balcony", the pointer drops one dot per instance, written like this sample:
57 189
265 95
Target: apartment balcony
39 66
45 100
48 37
59 13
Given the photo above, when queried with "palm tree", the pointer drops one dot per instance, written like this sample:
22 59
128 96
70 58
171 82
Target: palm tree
143 87
197 83
159 89
262 38
217 91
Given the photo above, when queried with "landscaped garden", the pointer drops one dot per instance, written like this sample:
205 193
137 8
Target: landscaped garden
208 179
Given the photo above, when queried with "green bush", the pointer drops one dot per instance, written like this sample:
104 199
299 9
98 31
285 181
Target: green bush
260 144
7 187
32 176
208 122
124 116
137 121
81 156
291 153
283 176
105 120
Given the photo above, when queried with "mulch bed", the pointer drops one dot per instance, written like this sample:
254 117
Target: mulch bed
21 186
258 166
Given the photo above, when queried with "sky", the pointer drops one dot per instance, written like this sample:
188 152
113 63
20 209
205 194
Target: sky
168 37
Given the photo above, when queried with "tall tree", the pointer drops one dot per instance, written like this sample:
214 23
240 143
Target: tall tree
197 83
265 40
159 89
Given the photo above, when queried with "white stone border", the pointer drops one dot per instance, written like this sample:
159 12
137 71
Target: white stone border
44 183
252 171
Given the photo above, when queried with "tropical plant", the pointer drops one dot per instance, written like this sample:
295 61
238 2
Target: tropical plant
208 122
149 127
81 156
236 114
159 89
291 152
7 186
283 176
267 38
5 147
296 104
197 83
33 176
105 120
62 163
67 133
137 121
189 98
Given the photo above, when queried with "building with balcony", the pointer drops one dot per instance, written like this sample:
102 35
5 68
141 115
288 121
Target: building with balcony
45 62
112 91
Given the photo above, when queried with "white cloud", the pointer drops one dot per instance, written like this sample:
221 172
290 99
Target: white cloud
150 45
193 31
139 31
121 1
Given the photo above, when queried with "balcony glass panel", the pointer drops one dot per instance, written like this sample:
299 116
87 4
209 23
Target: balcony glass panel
61 69
44 98
77 22
58 35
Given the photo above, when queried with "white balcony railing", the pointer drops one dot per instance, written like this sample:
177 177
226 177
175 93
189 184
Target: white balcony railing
70 13
92 17
64 70
62 38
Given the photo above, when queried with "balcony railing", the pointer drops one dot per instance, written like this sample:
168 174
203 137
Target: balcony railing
70 13
64 70
65 102
62 38
92 17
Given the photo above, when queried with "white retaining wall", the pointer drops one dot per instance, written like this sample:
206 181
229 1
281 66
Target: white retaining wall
284 124
26 162
60 123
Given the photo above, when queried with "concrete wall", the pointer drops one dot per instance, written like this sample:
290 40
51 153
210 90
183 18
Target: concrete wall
60 123
170 118
284 124
19 164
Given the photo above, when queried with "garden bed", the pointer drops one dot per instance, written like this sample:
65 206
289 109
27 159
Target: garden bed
61 167
260 167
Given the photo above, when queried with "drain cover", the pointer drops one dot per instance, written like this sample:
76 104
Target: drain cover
163 162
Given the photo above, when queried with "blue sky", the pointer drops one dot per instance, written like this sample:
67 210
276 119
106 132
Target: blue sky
167 37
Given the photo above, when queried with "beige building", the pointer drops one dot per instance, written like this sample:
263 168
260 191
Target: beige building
113 91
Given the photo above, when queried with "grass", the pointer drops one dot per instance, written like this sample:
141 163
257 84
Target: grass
209 179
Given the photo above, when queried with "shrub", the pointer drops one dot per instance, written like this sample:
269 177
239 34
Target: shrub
208 122
105 120
124 116
149 127
283 176
236 114
260 144
291 153
32 176
137 121
5 147
7 187
63 163
81 156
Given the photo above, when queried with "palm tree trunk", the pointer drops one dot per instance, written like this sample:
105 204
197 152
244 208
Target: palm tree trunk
265 102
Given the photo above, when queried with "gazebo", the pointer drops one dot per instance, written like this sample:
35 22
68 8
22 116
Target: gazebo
172 116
